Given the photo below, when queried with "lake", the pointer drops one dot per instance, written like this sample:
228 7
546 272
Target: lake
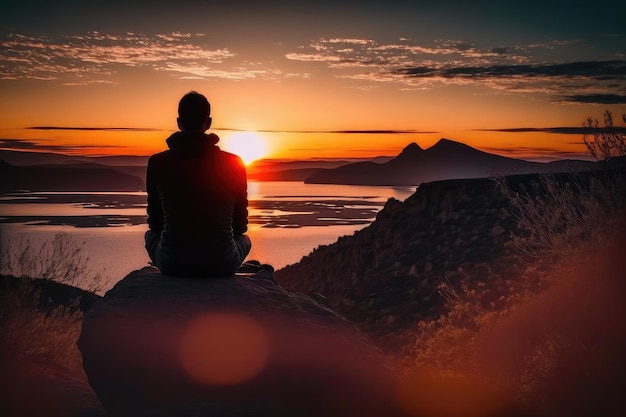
287 221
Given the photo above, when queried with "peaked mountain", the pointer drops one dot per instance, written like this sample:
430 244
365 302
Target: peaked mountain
446 159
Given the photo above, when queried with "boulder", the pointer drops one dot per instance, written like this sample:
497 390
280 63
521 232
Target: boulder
243 345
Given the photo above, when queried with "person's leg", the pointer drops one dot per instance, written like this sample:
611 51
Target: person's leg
152 239
243 244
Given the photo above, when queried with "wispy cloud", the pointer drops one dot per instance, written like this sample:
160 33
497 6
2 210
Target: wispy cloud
97 57
144 129
534 68
540 67
346 132
128 129
41 145
543 154
581 130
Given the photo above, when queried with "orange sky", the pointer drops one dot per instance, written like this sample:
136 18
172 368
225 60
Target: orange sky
324 82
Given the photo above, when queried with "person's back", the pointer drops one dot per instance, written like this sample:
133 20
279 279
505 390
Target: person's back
197 201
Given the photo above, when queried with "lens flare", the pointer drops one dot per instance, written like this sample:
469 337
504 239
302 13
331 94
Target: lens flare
430 393
223 349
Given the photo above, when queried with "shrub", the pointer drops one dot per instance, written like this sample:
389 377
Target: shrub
59 260
31 330
606 142
555 323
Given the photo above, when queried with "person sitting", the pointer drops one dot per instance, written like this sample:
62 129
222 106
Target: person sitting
197 200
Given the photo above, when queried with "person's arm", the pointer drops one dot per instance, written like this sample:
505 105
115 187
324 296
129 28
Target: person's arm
155 211
240 209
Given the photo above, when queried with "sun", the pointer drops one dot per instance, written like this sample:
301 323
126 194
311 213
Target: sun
249 146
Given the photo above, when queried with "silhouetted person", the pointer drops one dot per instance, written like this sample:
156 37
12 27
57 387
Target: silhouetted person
197 200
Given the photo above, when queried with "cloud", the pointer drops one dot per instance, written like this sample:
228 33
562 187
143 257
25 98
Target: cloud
142 129
557 130
558 79
346 132
544 154
596 98
130 129
535 68
96 57
28 145
607 70
544 67
365 52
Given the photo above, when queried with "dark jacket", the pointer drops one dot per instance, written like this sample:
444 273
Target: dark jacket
197 201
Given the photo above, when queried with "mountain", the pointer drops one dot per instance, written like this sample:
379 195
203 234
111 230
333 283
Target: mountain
282 175
385 277
447 159
36 158
279 170
72 177
19 158
138 171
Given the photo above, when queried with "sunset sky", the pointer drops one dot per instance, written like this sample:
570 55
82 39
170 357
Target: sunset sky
318 79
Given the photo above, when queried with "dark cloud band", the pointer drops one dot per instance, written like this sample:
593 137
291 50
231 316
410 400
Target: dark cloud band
128 129
604 70
28 145
597 98
558 130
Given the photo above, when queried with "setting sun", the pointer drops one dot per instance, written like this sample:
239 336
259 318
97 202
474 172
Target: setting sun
250 146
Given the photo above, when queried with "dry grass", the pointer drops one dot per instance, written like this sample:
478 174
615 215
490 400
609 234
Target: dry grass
46 338
552 339
31 330
59 259
41 371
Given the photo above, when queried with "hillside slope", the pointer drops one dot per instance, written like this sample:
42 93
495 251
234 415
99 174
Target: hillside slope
385 277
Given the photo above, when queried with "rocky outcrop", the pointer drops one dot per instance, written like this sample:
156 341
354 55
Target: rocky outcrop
385 278
243 345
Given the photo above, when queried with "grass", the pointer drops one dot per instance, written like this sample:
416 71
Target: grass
551 338
37 337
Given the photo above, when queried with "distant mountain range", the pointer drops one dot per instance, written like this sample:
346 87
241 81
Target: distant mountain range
278 170
42 158
71 177
447 159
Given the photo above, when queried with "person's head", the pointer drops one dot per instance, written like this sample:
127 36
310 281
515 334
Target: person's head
194 112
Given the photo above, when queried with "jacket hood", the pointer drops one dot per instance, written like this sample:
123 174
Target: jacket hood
192 142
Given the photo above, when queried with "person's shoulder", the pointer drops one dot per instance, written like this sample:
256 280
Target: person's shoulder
159 155
231 158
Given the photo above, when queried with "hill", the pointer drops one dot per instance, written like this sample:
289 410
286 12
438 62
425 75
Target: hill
446 159
283 170
20 158
72 177
385 277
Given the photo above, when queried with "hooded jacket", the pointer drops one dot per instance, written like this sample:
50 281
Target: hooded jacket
197 201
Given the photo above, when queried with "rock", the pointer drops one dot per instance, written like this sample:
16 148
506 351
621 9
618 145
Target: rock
243 345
